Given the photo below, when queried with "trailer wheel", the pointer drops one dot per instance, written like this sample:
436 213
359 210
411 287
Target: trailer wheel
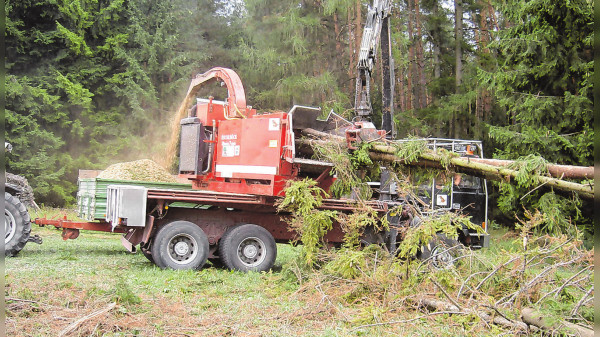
180 245
441 252
17 225
248 248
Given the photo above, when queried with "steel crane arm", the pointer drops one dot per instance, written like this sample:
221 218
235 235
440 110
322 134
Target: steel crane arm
376 15
371 32
236 99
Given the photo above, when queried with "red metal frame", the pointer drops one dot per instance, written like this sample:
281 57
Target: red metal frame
235 200
208 197
91 226
71 228
232 209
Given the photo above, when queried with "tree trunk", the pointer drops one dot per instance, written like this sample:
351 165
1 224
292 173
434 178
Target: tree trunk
420 62
336 29
555 170
387 75
458 34
493 15
458 37
358 27
411 61
352 62
436 45
532 317
386 153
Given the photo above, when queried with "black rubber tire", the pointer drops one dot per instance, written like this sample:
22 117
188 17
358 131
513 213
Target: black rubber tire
20 188
441 252
17 225
248 248
147 254
180 245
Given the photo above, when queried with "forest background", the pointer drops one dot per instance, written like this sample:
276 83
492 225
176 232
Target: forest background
94 82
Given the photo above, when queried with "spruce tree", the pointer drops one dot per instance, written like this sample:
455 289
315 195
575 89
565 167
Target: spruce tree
543 80
90 83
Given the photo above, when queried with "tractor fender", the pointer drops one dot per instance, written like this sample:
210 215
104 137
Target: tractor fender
13 189
18 187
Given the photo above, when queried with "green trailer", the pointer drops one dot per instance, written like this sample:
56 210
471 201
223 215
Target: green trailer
91 194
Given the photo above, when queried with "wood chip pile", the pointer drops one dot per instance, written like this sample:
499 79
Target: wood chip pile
140 170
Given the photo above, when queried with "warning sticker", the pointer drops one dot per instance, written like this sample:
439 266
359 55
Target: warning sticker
274 124
229 149
442 200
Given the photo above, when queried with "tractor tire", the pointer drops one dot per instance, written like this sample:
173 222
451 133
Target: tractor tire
180 245
248 248
17 225
441 252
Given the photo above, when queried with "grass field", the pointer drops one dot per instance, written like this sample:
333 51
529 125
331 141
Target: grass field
57 287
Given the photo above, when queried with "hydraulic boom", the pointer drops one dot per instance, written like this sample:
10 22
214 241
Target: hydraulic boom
376 31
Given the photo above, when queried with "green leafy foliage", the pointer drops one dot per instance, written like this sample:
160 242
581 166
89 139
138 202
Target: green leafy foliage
410 150
360 157
282 61
529 168
347 263
446 223
302 197
562 214
312 227
355 223
87 82
352 169
446 156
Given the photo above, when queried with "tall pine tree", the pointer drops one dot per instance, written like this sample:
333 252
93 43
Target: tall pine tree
89 83
544 80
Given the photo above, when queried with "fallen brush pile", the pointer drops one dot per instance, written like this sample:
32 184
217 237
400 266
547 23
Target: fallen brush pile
544 285
536 283
139 170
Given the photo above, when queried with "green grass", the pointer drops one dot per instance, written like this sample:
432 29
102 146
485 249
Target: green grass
76 277
95 270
